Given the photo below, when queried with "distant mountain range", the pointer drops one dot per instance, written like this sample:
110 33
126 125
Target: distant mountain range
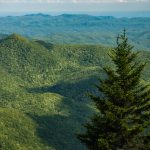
118 14
78 29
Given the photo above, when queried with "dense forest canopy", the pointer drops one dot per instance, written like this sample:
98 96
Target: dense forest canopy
43 87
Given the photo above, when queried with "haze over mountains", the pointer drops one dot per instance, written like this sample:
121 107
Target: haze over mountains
78 29
117 14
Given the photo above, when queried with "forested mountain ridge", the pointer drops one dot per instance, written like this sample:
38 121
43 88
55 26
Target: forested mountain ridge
38 88
42 91
78 29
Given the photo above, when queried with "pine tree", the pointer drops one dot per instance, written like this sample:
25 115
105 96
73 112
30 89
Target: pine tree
124 105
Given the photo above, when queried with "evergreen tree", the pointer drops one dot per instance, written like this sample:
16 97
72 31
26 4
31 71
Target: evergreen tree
124 105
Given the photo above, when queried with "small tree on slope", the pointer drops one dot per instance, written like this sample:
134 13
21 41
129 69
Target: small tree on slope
124 107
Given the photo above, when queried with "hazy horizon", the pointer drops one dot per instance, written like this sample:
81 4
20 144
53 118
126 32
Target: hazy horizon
117 14
73 5
116 8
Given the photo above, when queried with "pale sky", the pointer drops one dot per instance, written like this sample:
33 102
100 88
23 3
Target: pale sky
74 5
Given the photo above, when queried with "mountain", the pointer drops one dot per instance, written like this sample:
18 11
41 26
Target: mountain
37 92
78 29
43 90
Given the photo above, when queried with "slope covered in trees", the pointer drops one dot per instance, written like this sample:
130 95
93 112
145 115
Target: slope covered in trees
43 87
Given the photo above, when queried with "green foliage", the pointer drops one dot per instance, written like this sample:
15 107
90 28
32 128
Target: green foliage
44 85
34 82
18 131
123 105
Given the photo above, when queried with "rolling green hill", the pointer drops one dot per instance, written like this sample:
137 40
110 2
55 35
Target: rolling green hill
43 92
